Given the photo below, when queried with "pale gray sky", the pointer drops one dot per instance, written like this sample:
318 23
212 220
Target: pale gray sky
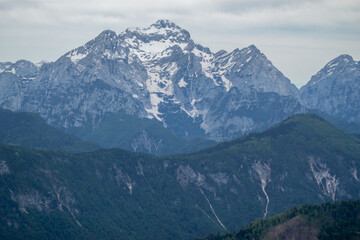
298 36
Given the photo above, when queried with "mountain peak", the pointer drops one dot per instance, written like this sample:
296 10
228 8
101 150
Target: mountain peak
342 59
253 48
248 51
161 29
345 57
164 23
107 34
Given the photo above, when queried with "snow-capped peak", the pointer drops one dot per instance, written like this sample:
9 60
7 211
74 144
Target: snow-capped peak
168 66
106 34
21 68
150 43
342 59
161 30
339 62
338 65
164 23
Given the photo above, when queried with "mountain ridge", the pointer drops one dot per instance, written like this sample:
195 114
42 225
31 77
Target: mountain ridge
30 130
160 73
335 88
116 193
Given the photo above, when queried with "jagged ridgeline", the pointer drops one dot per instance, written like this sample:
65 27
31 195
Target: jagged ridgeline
168 90
156 75
339 220
335 89
118 194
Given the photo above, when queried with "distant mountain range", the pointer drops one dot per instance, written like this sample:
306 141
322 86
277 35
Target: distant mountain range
160 78
117 194
335 89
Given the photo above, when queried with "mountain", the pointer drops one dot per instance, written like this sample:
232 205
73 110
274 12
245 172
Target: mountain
335 89
176 90
118 194
30 130
341 123
139 135
339 220
157 73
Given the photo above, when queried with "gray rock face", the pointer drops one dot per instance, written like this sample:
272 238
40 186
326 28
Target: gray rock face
77 89
335 89
144 143
157 72
21 68
241 111
4 169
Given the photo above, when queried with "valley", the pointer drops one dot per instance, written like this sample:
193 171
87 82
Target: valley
120 194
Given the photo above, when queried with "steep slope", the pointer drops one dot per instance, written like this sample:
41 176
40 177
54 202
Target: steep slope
139 135
291 161
158 73
339 220
335 89
14 78
341 123
30 130
241 111
118 194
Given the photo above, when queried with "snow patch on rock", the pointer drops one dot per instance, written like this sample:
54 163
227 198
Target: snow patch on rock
75 56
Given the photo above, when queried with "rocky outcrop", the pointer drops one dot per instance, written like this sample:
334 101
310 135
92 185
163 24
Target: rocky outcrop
335 89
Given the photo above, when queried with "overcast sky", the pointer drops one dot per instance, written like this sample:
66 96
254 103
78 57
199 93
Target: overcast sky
298 36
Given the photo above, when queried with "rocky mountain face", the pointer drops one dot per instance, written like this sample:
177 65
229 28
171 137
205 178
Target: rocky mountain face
116 194
159 73
335 89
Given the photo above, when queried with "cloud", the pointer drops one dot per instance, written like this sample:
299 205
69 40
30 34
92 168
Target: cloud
327 27
236 13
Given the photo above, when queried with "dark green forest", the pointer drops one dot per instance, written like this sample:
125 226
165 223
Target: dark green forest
117 194
336 221
30 130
